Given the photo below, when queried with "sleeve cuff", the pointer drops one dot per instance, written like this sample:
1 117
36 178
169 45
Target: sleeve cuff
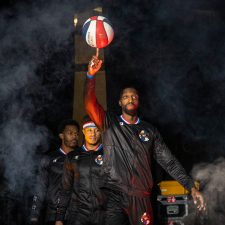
90 76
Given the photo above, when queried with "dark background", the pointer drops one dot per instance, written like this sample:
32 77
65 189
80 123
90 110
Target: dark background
173 51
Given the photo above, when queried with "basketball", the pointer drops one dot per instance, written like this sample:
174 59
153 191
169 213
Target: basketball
97 32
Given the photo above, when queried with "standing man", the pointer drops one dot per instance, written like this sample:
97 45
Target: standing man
50 174
129 145
81 181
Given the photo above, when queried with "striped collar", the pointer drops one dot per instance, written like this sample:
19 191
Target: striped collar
60 149
97 149
125 121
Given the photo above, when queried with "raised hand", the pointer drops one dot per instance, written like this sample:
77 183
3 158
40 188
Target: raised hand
94 65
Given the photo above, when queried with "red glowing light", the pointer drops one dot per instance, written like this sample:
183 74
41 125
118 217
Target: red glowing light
171 199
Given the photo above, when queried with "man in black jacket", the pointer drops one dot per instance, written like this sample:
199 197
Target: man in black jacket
129 145
50 174
81 181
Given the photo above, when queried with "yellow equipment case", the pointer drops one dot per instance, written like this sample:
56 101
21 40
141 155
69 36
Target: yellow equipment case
175 205
172 187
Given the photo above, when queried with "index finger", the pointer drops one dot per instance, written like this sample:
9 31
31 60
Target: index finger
97 52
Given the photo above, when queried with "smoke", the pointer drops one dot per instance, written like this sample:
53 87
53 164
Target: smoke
31 35
19 140
211 176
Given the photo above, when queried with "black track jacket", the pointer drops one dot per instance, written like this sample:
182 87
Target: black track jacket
128 151
81 183
48 185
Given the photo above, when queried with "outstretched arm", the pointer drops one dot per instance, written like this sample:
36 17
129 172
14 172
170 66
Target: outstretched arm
169 162
93 108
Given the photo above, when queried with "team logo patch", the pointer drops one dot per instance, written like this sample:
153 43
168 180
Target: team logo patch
55 160
145 219
144 136
99 160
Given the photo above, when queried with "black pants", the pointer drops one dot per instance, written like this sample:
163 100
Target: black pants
85 217
124 209
50 223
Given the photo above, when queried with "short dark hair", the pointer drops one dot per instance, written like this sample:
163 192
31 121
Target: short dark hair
126 87
67 122
86 119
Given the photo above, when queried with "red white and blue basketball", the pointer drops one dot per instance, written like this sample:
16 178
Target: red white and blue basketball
98 32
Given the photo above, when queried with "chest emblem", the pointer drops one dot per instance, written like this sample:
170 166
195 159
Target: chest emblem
145 219
144 136
99 160
55 160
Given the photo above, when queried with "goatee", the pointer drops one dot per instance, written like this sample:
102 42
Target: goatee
131 112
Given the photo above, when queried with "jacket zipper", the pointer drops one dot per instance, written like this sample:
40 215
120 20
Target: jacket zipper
91 183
